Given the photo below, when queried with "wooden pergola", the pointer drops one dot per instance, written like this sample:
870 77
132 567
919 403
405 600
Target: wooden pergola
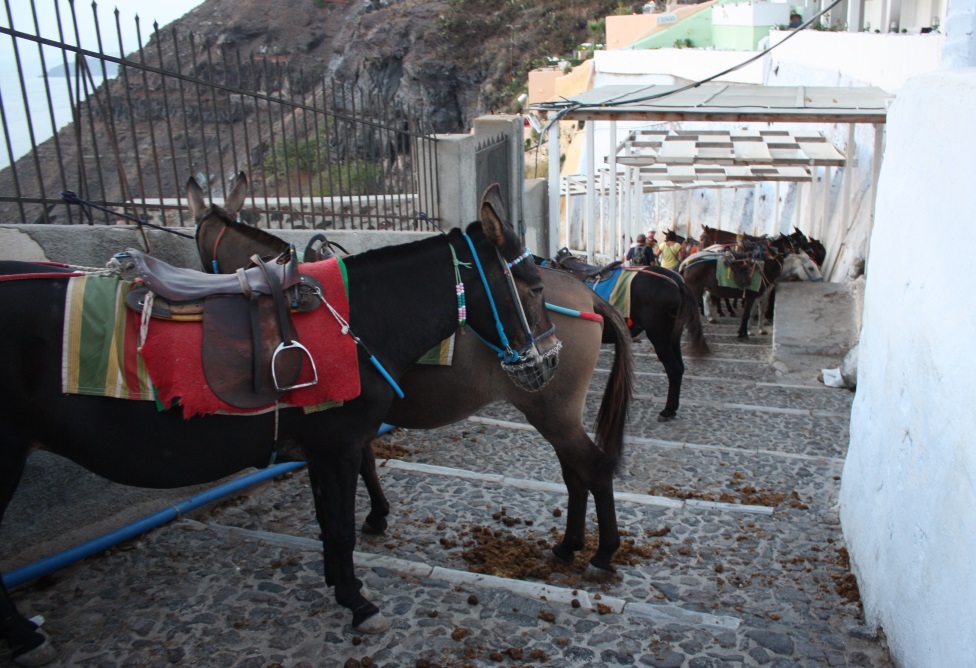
670 161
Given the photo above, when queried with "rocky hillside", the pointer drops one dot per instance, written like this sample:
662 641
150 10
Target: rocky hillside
447 61
451 59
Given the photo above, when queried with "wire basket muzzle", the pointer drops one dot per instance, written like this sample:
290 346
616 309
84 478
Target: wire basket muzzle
534 373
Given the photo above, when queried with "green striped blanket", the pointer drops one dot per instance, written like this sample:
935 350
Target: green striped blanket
441 354
725 279
101 337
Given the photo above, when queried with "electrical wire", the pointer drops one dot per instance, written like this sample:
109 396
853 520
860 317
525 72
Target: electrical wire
619 100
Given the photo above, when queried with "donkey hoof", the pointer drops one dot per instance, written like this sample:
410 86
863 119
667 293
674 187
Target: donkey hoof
743 337
666 416
596 574
563 554
375 624
40 655
374 528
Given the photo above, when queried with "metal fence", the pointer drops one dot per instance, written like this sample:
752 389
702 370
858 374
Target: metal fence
318 154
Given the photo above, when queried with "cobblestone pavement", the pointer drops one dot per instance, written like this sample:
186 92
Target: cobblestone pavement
735 555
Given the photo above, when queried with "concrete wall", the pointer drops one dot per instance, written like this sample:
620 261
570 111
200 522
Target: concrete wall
697 28
625 31
908 498
542 84
93 246
844 59
633 66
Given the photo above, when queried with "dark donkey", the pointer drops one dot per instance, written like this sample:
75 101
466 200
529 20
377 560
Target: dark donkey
97 432
662 306
440 395
700 273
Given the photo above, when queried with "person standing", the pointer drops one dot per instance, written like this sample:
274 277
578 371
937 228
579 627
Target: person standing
652 247
639 254
669 254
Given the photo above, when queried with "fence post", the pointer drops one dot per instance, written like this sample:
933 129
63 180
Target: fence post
513 127
457 201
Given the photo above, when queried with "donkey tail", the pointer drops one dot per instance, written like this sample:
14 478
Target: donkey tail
612 416
692 320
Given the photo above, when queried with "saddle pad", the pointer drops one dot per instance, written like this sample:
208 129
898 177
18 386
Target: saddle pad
99 355
440 355
172 354
726 280
616 289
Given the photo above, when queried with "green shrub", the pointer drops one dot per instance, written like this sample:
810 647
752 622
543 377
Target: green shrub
296 153
352 176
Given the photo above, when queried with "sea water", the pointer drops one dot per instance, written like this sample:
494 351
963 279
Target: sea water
29 102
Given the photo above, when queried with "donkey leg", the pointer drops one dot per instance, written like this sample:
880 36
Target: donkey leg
746 312
379 507
674 367
706 307
600 568
28 644
761 313
573 536
333 475
583 472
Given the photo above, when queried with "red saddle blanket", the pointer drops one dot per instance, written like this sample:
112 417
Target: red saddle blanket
173 359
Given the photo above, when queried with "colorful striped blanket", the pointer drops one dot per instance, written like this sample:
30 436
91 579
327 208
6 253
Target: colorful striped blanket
440 355
101 355
616 289
723 274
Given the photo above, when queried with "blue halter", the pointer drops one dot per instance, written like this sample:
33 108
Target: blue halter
507 355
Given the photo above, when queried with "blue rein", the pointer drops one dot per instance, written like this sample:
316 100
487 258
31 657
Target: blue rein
507 355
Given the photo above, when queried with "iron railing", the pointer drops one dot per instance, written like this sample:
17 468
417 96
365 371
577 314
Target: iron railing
318 154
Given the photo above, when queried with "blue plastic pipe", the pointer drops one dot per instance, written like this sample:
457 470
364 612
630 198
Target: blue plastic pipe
77 553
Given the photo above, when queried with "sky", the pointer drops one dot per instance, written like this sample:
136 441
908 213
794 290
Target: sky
47 11
14 90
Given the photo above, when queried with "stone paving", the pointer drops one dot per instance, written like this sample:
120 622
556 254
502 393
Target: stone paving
736 555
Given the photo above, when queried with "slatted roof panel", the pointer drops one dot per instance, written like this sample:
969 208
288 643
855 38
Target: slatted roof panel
774 148
661 178
725 103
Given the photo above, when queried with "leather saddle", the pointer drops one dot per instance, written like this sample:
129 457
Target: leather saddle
588 272
251 352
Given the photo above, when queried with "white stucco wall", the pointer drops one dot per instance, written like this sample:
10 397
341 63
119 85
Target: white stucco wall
663 66
908 492
851 59
751 14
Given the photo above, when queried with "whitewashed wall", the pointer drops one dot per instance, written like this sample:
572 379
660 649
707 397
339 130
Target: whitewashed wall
908 493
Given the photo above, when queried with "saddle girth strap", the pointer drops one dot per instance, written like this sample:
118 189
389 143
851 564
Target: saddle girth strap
282 313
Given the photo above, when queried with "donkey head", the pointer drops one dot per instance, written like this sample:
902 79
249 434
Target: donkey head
532 363
743 267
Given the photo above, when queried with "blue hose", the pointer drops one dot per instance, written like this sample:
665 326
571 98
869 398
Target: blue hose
71 555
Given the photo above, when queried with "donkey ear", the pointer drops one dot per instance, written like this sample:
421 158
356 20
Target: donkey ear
493 215
236 199
194 197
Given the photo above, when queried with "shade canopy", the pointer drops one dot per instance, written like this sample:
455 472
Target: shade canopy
728 103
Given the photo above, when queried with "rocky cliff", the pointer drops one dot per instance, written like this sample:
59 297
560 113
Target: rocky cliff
451 59
142 134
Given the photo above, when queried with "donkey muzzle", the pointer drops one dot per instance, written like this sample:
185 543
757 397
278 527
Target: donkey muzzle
535 371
